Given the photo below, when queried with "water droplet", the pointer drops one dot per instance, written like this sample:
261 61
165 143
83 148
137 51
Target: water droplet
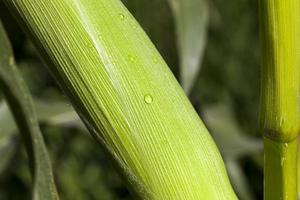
286 144
148 99
132 58
155 60
134 26
121 16
89 45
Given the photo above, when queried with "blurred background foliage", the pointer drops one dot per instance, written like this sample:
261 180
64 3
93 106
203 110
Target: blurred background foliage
212 47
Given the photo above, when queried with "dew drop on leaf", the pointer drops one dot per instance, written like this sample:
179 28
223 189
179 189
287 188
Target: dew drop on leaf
89 45
155 60
132 58
134 26
148 99
121 16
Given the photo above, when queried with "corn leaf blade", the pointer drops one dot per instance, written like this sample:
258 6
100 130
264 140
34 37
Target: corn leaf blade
127 97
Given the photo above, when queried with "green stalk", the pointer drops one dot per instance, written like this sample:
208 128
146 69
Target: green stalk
127 97
280 170
280 113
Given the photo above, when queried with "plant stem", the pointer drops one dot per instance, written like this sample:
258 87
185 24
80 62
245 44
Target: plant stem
280 113
280 169
127 97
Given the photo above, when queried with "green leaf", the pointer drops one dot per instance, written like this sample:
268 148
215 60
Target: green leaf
191 22
231 140
21 105
238 179
127 97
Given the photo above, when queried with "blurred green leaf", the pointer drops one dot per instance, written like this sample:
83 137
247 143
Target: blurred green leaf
231 140
7 124
7 150
7 139
57 113
21 105
239 180
191 22
233 143
54 112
